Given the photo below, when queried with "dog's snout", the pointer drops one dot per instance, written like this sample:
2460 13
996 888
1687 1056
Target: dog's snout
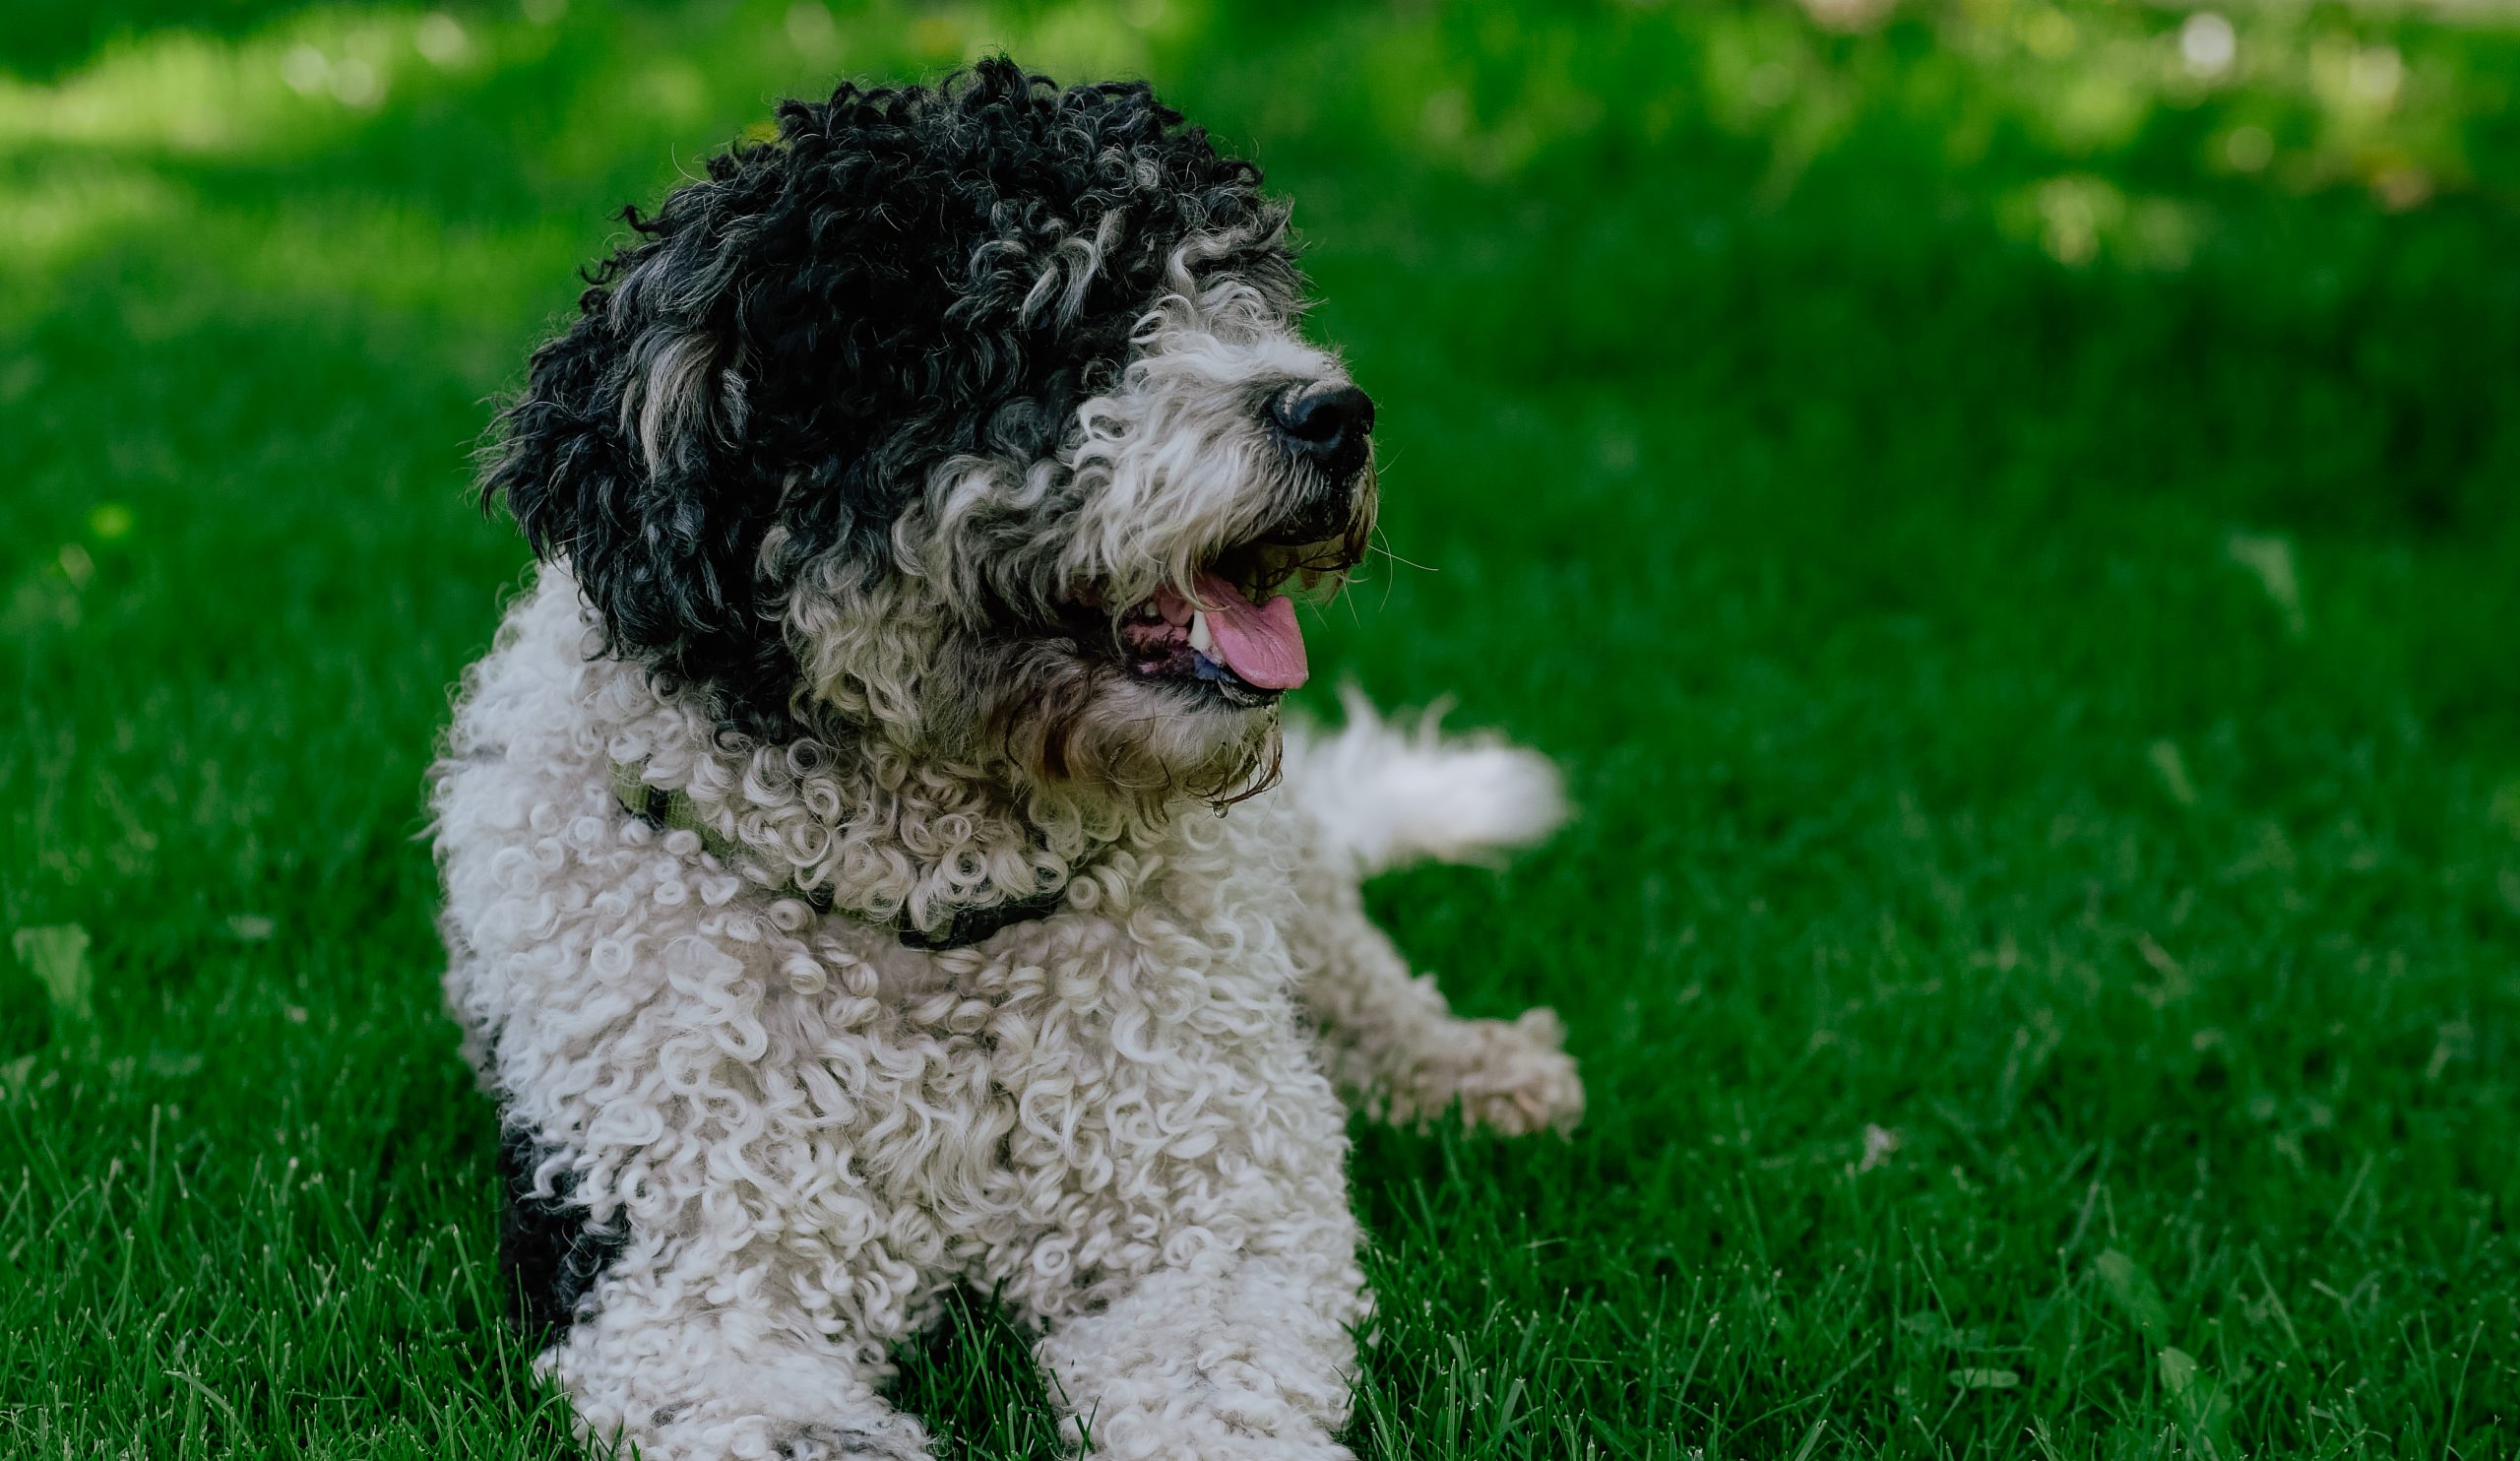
1326 422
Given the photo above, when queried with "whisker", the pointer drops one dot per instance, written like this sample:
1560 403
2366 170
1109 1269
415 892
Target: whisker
1379 548
1381 544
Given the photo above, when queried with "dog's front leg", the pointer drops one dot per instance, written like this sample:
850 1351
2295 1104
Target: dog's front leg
1394 1047
1234 1357
677 1373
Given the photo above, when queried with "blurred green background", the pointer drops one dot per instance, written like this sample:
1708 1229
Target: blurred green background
2003 510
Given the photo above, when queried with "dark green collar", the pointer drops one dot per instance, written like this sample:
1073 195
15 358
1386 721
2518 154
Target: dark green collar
673 811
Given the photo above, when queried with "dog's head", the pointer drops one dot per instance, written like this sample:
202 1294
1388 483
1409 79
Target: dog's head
972 418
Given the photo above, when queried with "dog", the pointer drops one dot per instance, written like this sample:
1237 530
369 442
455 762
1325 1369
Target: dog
873 860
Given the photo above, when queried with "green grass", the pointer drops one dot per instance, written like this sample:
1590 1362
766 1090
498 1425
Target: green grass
2012 541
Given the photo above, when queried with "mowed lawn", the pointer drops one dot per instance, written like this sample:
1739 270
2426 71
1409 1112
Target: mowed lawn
2006 515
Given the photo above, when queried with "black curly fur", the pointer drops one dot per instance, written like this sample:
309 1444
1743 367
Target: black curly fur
855 322
549 1259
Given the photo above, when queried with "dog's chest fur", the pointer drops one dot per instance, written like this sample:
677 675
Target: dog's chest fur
707 1061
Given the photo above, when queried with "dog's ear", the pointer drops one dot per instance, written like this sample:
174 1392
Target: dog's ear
624 454
779 343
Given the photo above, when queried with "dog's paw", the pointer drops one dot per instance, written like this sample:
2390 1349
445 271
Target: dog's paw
1510 1077
1185 1431
1524 1081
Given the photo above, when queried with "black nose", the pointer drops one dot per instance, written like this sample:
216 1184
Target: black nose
1328 423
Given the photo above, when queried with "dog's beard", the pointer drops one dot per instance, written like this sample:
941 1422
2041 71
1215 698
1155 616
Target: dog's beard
1040 701
1064 718
1171 692
1170 698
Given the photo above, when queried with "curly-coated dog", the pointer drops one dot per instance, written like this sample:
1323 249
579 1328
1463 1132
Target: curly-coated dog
872 863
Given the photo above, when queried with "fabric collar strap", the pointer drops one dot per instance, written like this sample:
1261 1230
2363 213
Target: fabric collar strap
673 811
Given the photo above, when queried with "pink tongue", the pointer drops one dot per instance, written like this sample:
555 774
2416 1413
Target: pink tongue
1259 642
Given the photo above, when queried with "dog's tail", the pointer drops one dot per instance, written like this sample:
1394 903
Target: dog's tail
1386 794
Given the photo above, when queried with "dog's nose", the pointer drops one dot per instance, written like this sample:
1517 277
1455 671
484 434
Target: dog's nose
1327 423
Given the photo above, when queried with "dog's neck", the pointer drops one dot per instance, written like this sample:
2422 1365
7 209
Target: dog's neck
883 835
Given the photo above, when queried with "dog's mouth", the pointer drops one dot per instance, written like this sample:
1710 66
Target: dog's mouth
1235 634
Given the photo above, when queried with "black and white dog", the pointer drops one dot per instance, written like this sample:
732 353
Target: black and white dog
837 895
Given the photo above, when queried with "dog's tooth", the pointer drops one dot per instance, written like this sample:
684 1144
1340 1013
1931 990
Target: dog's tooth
1200 639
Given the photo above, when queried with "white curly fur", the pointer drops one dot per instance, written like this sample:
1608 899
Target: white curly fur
1121 1118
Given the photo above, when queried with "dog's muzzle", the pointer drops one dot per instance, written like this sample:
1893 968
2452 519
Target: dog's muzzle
1327 426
